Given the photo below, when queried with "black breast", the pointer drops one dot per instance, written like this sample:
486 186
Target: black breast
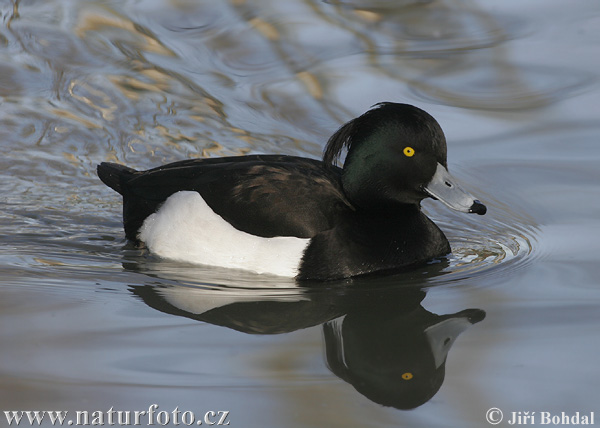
365 243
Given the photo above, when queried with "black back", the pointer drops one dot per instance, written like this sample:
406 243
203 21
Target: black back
264 195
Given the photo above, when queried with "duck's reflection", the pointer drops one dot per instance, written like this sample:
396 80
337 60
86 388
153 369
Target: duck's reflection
248 311
394 354
379 339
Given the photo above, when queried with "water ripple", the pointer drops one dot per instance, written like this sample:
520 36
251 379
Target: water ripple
487 248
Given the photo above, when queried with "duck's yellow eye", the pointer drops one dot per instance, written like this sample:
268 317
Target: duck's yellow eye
407 375
408 151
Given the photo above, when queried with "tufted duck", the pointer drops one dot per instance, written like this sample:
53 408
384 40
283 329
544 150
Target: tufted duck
301 217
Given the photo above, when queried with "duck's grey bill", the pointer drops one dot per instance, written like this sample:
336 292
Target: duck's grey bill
445 188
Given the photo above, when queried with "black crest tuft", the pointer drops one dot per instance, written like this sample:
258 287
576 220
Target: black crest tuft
343 136
336 143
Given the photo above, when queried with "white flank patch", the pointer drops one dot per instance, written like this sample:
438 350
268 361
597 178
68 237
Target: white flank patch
186 229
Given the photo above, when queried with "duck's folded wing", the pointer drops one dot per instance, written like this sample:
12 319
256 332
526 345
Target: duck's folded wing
261 195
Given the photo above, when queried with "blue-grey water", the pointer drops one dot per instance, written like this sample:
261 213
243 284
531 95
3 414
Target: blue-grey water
89 323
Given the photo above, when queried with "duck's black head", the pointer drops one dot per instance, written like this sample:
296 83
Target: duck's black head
396 155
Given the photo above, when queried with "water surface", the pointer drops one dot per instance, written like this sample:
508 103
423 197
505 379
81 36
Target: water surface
88 322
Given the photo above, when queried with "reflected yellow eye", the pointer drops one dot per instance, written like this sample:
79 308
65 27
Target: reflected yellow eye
407 375
408 151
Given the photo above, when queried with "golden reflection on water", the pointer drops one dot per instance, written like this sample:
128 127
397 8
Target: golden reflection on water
185 78
96 22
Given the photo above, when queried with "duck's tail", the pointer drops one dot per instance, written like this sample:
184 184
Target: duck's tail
114 174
